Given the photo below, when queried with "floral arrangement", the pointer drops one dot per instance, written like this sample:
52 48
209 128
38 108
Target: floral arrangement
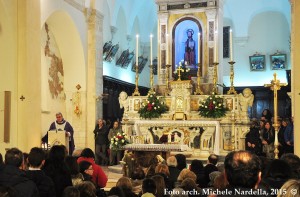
119 140
184 75
153 107
212 107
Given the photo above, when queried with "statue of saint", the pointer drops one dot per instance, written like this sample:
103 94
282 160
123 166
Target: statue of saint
189 54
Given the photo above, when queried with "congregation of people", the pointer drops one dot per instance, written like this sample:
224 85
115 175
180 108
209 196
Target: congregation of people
261 137
250 172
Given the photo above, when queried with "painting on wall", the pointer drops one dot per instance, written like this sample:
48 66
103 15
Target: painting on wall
257 62
278 61
128 60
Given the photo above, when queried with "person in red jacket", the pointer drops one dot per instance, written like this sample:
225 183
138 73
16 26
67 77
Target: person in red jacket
99 177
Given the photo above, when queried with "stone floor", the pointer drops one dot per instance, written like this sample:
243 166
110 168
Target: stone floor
113 173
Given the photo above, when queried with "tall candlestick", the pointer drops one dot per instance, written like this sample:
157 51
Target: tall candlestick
137 50
167 49
198 48
230 45
151 36
215 49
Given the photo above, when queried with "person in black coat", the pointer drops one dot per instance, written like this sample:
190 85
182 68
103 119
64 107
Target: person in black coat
282 144
197 167
253 141
101 142
174 171
56 168
210 166
11 175
45 185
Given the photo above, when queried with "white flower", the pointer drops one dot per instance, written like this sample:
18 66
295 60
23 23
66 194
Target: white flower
158 107
123 141
216 107
155 108
220 104
148 101
117 139
116 143
205 106
214 102
153 103
210 97
151 95
118 134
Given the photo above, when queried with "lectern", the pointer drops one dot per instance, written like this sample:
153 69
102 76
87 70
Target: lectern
56 137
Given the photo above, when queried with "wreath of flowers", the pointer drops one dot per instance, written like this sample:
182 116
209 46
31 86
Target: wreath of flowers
153 107
212 107
119 140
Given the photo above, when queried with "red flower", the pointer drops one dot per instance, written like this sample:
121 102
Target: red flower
211 106
119 137
149 107
190 77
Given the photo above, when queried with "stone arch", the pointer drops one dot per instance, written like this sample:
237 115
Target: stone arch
71 50
200 29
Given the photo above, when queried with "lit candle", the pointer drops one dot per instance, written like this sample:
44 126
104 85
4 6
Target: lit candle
151 49
137 50
230 45
198 47
167 51
215 49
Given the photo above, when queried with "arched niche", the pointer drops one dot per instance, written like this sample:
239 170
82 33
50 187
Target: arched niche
180 31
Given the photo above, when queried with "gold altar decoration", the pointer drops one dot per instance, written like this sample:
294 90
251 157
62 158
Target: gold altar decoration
136 90
181 71
231 89
275 86
151 90
167 91
215 78
77 100
198 88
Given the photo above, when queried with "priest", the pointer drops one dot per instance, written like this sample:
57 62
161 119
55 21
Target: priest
62 125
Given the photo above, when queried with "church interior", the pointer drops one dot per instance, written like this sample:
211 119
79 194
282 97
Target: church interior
77 56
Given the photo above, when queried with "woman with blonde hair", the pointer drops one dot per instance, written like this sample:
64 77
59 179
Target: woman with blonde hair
162 168
291 188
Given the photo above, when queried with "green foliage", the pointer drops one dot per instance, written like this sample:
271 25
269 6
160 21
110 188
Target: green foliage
118 141
212 107
153 107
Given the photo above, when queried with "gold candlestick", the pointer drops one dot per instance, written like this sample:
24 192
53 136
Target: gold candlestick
151 91
167 91
198 89
215 89
136 90
275 86
231 89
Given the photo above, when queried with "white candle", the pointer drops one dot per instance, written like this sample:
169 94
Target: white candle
215 49
167 49
230 45
151 49
198 47
137 50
